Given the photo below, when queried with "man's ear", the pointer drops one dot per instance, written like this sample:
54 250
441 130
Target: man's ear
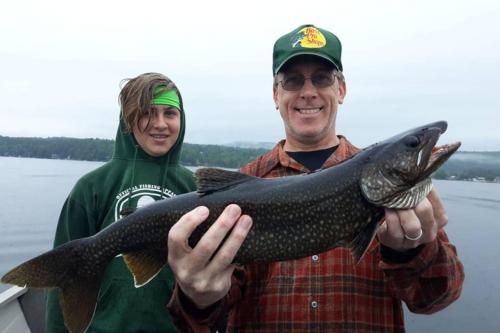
275 96
342 91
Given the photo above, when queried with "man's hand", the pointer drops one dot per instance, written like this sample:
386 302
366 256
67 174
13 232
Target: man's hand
405 229
203 277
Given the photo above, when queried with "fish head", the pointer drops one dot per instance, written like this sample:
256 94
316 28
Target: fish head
397 172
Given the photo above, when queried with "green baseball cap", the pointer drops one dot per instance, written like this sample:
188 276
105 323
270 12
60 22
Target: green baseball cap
307 40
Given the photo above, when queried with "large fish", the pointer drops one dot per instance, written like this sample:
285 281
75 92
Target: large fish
293 217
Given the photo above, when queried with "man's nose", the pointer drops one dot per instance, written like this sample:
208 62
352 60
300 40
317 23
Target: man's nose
308 89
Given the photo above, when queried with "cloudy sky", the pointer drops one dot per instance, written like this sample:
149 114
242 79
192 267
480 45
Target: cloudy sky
406 63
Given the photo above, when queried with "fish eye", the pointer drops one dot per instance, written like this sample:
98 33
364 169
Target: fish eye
412 141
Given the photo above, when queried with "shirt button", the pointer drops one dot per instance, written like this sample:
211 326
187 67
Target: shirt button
314 304
315 257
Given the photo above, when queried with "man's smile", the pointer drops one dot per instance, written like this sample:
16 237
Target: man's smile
308 110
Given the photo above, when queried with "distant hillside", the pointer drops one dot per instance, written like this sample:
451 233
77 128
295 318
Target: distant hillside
57 148
221 156
491 158
246 144
102 150
471 166
462 165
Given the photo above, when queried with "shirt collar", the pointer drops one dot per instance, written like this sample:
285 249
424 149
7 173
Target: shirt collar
279 156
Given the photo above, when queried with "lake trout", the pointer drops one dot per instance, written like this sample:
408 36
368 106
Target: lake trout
293 217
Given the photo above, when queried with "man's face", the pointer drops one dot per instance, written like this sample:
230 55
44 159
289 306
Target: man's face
309 113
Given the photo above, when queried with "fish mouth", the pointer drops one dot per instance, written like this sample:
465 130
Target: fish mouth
431 156
440 154
437 155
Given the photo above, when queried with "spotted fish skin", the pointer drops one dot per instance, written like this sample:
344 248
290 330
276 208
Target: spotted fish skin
293 217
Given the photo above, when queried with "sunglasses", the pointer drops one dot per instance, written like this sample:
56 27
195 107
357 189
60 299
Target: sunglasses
295 82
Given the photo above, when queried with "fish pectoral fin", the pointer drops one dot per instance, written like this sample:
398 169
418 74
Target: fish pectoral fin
210 180
145 264
359 245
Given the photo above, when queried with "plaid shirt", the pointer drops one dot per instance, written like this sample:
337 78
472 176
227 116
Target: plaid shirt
328 292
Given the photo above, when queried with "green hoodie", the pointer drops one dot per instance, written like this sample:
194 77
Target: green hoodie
130 179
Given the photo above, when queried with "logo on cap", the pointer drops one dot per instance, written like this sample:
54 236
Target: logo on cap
309 37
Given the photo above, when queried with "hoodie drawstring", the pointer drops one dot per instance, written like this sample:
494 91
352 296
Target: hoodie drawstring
164 173
128 209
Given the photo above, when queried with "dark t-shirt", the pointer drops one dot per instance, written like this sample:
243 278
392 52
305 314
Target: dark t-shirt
312 160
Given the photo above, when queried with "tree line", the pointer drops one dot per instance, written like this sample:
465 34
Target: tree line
471 168
461 166
102 150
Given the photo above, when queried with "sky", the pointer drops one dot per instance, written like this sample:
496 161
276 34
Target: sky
406 63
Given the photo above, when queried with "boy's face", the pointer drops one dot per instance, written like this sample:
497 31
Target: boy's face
158 135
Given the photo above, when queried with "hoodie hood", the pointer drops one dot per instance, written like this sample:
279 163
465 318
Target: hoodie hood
127 148
140 168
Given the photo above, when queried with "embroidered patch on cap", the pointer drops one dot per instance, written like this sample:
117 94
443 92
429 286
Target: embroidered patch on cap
309 37
307 40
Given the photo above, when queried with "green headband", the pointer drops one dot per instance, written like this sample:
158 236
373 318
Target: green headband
166 97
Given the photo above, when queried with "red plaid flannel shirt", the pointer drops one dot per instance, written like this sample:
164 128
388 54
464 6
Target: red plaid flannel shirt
328 292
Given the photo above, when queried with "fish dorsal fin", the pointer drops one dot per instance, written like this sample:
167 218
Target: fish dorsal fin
211 180
146 264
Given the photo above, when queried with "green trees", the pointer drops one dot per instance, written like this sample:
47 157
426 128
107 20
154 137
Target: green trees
57 148
101 150
221 156
462 165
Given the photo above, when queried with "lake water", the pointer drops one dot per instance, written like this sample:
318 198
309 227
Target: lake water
32 192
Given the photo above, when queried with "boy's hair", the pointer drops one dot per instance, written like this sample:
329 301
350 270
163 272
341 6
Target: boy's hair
136 95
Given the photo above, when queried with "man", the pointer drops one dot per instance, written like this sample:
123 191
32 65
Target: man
411 259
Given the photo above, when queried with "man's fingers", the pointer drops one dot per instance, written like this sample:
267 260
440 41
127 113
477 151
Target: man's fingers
202 285
390 231
440 214
425 213
393 225
179 233
212 239
410 223
408 228
229 249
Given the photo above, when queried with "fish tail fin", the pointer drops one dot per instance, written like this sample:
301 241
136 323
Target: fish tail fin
69 268
78 303
360 244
